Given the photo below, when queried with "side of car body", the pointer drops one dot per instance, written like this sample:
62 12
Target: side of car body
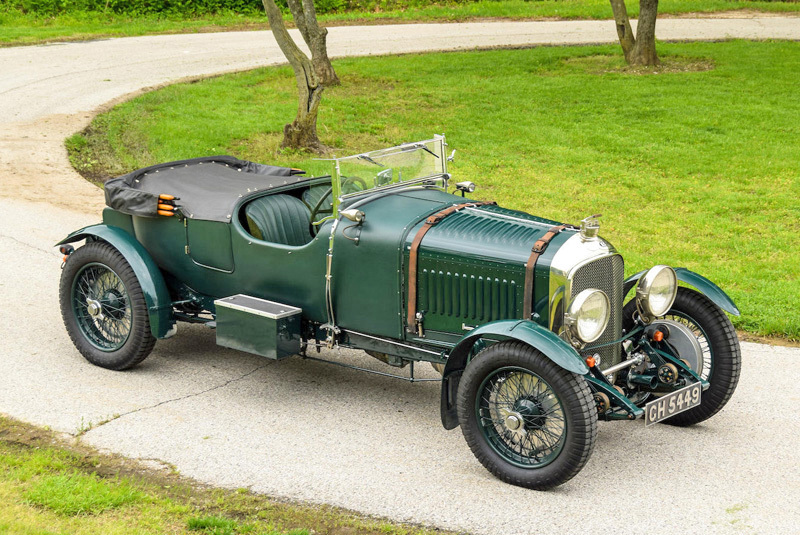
533 348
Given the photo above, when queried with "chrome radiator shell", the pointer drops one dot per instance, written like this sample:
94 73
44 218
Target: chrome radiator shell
579 265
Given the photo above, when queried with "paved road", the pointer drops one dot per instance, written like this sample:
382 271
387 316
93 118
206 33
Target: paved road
305 430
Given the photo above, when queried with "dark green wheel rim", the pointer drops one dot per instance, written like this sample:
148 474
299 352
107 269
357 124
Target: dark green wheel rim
702 339
521 417
102 307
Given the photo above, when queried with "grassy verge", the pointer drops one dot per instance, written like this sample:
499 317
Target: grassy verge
49 486
694 165
18 28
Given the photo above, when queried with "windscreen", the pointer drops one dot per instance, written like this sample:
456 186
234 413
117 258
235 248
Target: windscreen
422 162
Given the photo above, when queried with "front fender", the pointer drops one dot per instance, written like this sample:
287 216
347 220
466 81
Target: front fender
697 281
156 294
525 331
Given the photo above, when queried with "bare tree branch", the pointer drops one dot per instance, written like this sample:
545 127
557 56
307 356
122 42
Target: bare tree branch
305 18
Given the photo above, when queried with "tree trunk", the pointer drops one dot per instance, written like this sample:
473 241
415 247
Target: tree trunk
624 31
644 51
305 17
302 133
641 48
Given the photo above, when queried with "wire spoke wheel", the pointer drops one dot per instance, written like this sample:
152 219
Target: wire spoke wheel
102 306
521 417
529 421
702 339
721 354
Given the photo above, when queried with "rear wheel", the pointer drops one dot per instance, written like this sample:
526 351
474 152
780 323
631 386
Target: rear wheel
527 420
104 309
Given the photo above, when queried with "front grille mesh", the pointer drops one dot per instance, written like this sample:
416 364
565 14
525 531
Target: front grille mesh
605 274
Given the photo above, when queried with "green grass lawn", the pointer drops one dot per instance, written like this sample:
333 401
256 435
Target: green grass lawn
17 28
695 169
49 487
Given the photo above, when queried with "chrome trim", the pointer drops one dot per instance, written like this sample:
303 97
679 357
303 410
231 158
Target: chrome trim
590 226
484 213
644 287
635 361
570 257
572 316
400 185
285 310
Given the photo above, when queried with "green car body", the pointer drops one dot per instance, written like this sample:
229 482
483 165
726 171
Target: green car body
351 280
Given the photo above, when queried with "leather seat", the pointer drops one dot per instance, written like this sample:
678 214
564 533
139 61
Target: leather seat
279 219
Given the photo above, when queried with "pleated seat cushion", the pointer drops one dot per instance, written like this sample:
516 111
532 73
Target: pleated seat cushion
279 219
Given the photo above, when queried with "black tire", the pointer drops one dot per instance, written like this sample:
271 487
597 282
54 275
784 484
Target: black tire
576 429
721 351
131 341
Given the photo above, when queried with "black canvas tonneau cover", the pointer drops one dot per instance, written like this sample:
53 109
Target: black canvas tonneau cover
207 188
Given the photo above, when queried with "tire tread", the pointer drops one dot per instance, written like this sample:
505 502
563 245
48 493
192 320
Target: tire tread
575 393
141 341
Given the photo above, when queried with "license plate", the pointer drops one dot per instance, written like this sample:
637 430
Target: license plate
672 403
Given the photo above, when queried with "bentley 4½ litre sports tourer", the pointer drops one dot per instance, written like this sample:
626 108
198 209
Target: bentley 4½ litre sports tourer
529 321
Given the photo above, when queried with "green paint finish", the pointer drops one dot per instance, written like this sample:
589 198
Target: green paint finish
112 218
405 351
631 411
156 294
270 271
702 284
367 277
455 295
471 266
367 289
210 244
532 334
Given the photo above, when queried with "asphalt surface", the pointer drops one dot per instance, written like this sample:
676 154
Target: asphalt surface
315 432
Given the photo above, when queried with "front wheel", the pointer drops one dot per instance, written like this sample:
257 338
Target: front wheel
527 420
104 308
722 357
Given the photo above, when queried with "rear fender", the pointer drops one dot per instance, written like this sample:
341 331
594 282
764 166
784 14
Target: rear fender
700 283
525 331
156 294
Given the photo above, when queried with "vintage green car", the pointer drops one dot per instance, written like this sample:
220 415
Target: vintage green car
526 319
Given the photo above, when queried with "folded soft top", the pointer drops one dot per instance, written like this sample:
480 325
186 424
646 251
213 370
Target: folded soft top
207 188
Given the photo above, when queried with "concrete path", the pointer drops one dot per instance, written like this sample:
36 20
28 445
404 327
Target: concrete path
305 430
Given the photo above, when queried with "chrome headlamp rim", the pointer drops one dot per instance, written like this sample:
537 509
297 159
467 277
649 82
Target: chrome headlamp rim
573 317
644 290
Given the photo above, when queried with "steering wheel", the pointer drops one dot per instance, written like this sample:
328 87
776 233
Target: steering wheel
317 208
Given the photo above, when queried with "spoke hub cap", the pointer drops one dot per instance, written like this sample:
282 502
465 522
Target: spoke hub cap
514 421
94 308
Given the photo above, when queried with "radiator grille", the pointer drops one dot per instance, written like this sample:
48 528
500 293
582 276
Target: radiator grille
605 274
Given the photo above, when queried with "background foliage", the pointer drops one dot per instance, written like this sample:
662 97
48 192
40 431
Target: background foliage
204 7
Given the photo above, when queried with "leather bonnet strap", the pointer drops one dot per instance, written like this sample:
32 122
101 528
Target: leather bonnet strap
536 251
432 220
